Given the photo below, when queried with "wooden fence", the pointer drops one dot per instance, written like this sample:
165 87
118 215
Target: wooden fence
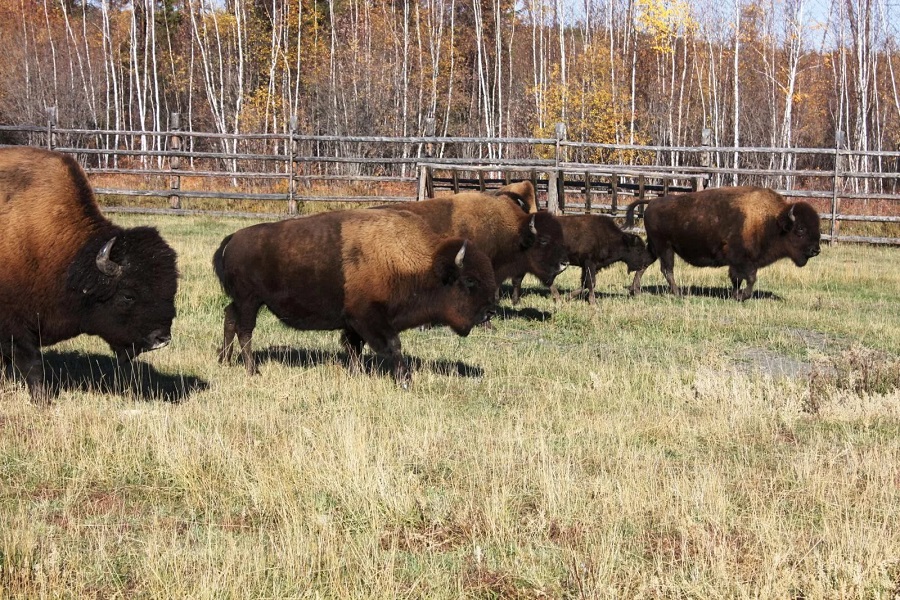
183 170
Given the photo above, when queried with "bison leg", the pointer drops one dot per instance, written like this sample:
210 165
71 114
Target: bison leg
554 292
26 359
244 321
381 338
667 266
736 279
635 288
517 289
230 330
589 280
353 345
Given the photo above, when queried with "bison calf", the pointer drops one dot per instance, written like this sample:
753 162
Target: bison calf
594 242
66 270
743 228
368 273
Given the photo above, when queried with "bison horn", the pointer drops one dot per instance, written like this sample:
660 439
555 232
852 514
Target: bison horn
791 216
531 225
107 266
461 255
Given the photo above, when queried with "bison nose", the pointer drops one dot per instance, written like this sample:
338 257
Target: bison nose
158 339
814 251
489 313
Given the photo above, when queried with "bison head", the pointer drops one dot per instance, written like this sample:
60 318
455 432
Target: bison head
541 237
124 285
799 224
467 278
635 255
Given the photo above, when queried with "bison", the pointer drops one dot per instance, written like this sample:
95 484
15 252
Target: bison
371 274
594 242
515 240
743 228
66 270
522 192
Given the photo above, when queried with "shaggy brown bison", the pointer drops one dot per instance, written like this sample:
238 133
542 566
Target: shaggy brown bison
498 223
368 273
523 194
66 270
743 228
594 242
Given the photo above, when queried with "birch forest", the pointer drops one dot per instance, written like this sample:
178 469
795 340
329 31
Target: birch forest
773 73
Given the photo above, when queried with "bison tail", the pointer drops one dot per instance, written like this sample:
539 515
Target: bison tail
629 213
219 265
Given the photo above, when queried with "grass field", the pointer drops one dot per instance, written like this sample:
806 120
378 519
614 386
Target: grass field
647 447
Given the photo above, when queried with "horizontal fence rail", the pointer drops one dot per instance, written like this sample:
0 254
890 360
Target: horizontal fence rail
274 175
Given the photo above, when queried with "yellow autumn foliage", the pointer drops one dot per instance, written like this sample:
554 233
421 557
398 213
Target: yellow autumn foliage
588 107
664 21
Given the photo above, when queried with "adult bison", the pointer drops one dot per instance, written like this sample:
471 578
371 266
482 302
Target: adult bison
368 273
515 240
594 242
744 228
66 270
522 192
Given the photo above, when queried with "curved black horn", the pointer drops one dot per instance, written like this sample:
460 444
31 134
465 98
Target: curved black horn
461 255
107 266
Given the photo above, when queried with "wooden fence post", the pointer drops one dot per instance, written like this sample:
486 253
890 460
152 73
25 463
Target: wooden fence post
553 192
429 154
174 159
836 182
292 181
426 180
705 155
560 175
614 191
51 124
587 192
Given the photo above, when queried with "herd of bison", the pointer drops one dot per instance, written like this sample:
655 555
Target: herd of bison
370 273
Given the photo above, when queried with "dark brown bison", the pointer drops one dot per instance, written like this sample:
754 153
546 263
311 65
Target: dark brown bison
66 270
498 223
594 242
743 228
368 273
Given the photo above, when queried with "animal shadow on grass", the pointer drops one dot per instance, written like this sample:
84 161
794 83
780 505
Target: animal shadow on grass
528 314
372 363
708 292
97 373
507 289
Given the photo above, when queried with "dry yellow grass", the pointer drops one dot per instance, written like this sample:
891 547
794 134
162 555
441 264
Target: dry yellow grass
647 448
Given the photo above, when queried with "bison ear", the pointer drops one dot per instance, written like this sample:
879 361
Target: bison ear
448 264
632 240
528 234
787 220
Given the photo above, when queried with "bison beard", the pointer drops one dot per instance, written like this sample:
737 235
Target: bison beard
67 270
743 228
370 274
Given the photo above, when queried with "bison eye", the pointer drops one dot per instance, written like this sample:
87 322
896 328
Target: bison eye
125 299
543 241
800 231
469 283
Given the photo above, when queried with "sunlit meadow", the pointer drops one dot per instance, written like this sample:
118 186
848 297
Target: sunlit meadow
646 447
